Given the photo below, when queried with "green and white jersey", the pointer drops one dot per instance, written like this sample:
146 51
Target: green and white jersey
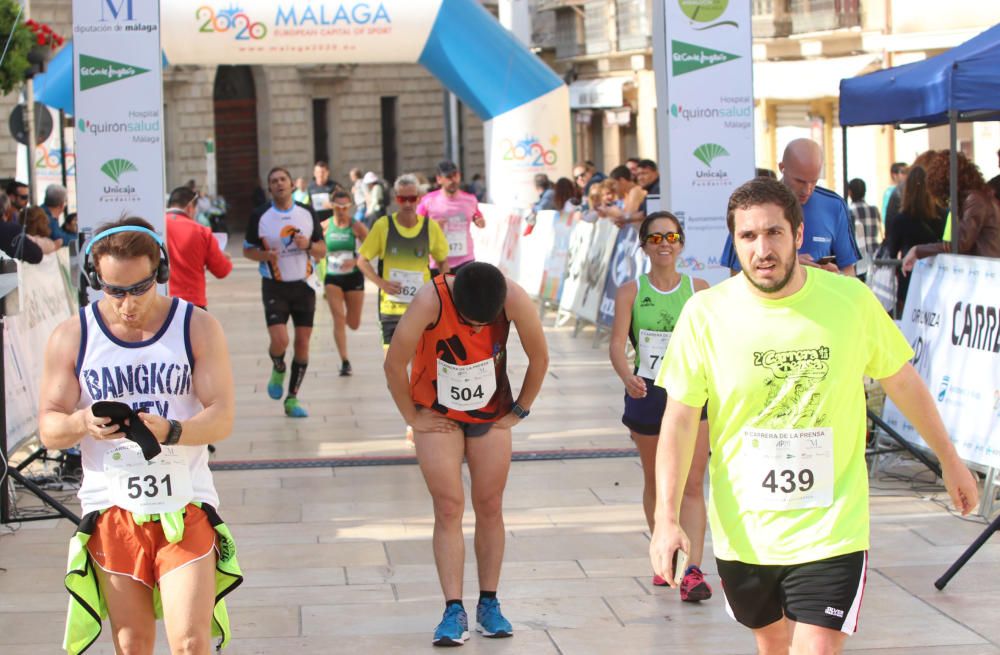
654 315
786 412
340 248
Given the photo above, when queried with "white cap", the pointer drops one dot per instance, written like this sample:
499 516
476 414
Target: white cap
369 178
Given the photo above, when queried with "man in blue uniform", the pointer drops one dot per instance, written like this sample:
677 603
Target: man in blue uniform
829 233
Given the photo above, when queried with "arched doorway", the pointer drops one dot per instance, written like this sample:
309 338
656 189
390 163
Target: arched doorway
236 141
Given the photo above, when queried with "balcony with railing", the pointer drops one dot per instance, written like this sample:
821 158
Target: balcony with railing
635 24
777 18
822 15
550 5
769 18
568 39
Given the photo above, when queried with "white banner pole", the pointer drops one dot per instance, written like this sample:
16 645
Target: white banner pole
704 67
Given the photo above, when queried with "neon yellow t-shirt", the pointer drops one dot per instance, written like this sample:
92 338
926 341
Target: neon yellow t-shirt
786 412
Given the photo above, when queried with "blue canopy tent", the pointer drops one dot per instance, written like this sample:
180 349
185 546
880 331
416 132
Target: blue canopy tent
962 84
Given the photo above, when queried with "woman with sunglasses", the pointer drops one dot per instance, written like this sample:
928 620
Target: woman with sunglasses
645 313
344 282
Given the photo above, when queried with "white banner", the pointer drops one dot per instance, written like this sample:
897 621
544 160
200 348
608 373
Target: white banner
952 320
488 241
45 300
534 249
295 31
533 138
118 95
590 248
580 237
49 158
628 262
704 65
555 261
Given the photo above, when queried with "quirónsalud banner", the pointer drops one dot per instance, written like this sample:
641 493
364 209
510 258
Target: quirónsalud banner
952 320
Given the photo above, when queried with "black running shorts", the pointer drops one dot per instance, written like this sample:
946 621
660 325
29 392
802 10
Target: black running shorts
388 324
826 592
284 299
353 281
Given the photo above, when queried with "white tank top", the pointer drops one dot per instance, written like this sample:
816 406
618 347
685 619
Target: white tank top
154 376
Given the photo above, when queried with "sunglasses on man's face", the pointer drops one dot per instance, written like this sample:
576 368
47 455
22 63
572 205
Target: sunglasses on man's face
407 198
656 238
24 197
341 206
471 323
137 289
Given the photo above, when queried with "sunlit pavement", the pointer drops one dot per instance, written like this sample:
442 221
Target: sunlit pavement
338 559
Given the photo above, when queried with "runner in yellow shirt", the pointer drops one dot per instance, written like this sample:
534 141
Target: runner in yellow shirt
401 242
779 353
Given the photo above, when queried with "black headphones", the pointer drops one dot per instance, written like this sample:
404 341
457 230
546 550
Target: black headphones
162 269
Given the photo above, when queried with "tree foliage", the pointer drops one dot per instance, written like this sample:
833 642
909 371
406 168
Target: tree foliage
15 64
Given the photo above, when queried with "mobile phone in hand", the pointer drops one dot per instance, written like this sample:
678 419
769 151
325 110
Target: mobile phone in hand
829 259
680 565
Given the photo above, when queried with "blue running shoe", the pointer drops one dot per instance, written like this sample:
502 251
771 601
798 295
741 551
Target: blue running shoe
454 627
294 409
490 622
276 384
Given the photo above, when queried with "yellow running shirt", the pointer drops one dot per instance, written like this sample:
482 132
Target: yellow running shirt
403 250
786 411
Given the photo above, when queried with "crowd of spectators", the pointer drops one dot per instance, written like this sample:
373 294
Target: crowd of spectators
28 232
912 220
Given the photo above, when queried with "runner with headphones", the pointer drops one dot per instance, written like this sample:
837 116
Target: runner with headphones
143 383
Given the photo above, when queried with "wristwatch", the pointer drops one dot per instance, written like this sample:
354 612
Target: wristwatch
175 433
519 411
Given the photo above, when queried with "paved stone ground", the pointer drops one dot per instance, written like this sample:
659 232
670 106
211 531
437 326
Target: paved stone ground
338 560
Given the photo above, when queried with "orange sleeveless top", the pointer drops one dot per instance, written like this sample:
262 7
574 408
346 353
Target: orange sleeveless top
454 349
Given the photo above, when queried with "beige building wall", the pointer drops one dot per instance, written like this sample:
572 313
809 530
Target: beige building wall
190 120
894 32
646 117
933 16
354 123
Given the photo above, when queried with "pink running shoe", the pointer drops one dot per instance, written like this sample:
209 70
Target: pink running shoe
659 582
693 586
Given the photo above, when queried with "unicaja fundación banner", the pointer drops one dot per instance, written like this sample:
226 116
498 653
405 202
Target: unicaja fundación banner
118 96
704 89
